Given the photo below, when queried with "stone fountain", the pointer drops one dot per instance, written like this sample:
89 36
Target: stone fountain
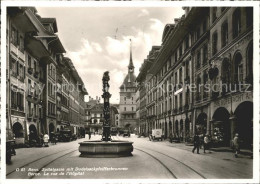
106 147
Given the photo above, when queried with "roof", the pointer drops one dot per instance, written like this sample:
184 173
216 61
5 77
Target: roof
52 21
129 81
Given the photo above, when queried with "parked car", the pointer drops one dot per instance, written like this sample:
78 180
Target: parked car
126 133
10 151
74 137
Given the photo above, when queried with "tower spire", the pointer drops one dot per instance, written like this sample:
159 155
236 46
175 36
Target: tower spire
131 65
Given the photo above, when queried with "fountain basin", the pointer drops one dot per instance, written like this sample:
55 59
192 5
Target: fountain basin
114 148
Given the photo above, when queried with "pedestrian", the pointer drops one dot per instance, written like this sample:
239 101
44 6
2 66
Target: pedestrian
236 142
46 140
89 135
206 143
196 143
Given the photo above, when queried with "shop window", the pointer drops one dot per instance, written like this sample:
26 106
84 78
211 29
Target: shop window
224 34
236 22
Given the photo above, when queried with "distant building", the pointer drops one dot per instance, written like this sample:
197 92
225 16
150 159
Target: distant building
127 104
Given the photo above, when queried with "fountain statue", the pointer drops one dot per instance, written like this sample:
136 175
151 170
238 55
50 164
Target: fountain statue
106 147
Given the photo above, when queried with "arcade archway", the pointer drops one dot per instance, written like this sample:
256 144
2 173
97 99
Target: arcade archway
201 124
221 127
51 128
244 123
18 130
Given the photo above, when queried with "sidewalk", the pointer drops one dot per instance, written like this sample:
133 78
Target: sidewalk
221 152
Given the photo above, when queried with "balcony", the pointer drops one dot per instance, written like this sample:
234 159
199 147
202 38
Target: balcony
30 70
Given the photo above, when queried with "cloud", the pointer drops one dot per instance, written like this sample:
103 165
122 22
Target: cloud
97 47
143 12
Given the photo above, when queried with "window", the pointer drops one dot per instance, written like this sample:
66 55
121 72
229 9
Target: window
223 9
198 59
214 43
198 33
236 22
125 98
225 71
132 108
214 14
238 73
15 37
186 42
249 16
180 51
180 75
175 55
35 66
205 54
21 46
250 59
204 25
29 61
224 34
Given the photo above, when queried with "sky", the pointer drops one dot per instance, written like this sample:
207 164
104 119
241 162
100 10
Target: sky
97 39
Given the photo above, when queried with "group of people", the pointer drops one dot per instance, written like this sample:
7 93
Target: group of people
206 142
40 140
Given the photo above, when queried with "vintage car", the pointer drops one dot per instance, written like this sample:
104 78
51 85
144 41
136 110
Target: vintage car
65 135
156 135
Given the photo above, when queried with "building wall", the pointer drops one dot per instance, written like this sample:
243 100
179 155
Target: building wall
181 110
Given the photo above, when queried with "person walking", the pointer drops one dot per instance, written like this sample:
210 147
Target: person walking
196 143
89 135
46 140
206 143
236 145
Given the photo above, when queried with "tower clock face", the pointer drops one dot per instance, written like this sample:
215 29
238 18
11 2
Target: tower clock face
131 70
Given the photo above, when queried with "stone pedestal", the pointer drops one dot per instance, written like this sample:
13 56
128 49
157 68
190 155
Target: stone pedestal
106 149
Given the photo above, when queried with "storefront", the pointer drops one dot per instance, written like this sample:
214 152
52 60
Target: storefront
231 115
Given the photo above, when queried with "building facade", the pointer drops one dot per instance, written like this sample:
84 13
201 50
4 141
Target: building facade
35 75
127 104
202 76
